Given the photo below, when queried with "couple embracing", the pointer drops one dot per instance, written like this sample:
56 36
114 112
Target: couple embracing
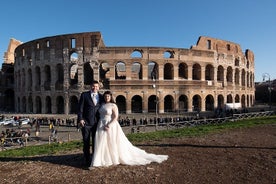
98 117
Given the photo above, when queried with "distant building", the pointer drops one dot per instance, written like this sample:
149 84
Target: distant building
50 73
7 78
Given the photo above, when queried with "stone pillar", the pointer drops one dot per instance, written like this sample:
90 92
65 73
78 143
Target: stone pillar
54 104
215 100
112 72
80 77
190 102
203 103
144 102
43 104
128 103
145 72
175 71
160 102
96 71
66 103
176 102
42 80
190 72
225 77
128 70
202 73
160 72
215 75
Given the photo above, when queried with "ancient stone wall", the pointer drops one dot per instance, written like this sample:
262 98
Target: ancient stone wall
51 72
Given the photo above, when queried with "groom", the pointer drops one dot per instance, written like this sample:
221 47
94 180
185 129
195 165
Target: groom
88 117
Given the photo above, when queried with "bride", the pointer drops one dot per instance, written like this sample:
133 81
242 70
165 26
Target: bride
112 146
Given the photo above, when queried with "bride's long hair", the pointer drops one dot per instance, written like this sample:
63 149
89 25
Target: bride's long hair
109 93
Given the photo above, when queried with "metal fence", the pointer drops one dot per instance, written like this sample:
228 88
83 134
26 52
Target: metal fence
194 122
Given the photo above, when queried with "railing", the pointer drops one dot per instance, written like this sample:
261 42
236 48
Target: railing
195 122
173 124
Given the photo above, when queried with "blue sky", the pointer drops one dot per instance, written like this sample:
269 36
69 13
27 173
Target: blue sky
174 23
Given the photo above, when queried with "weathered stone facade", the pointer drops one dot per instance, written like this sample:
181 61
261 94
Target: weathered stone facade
51 72
7 78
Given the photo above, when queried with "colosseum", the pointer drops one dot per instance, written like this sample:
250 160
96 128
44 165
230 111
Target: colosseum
51 72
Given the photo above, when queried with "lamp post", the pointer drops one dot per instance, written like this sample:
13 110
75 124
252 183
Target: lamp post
156 102
156 98
269 87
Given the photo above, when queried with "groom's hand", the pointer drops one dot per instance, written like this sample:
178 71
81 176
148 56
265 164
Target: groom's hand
106 127
82 122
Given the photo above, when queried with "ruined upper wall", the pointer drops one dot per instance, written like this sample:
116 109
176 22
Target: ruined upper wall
59 42
221 46
249 55
9 54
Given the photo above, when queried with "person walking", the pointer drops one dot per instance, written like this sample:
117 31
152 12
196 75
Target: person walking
88 117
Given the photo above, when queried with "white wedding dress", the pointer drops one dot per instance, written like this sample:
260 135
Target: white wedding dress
112 146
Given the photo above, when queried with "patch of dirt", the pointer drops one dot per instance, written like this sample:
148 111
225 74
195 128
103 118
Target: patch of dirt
233 156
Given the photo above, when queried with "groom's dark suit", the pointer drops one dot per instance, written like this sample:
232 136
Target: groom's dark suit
88 112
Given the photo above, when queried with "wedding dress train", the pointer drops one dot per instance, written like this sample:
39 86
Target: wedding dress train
112 147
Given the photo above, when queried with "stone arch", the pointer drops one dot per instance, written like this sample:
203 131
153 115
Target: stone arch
237 98
229 74
104 70
209 103
60 77
47 74
38 105
209 72
243 101
120 70
153 103
220 101
153 70
60 105
168 103
243 76
168 71
105 74
196 72
88 72
136 104
168 54
237 76
220 73
237 62
30 79
30 104
37 78
196 103
229 99
73 105
121 103
48 106
74 57
73 74
183 103
183 71
136 71
136 54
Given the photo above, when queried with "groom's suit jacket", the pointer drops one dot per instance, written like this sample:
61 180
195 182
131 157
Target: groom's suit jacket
87 110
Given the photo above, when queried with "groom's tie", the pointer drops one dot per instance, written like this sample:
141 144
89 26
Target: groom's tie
94 98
